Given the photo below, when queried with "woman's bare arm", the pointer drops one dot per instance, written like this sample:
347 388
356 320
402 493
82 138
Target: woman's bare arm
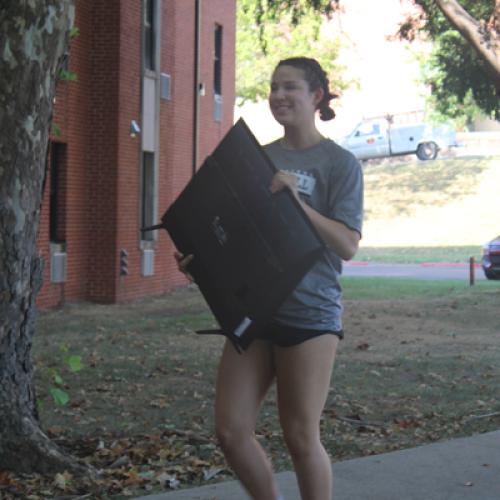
343 240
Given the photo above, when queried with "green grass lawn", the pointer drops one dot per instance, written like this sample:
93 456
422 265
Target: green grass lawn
423 204
377 288
416 255
145 389
395 189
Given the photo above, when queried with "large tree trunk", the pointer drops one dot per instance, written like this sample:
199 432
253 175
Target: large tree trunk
484 37
33 36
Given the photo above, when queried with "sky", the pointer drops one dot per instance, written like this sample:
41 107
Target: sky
387 71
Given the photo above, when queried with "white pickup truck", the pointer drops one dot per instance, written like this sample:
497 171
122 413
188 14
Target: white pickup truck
381 137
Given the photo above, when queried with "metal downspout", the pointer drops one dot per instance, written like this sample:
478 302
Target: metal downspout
196 96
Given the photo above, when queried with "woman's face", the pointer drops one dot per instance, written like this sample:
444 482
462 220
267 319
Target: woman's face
291 101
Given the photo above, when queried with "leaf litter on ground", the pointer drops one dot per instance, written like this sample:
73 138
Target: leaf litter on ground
140 407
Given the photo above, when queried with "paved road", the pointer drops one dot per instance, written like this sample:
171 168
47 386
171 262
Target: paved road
426 271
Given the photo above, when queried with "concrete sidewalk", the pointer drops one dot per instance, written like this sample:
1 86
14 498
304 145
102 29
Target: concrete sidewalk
461 469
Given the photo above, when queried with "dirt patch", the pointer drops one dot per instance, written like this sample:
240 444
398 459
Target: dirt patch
414 328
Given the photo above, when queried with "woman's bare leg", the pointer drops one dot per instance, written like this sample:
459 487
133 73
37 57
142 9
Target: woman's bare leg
303 379
242 383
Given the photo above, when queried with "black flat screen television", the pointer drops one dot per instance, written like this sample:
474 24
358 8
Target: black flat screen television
251 247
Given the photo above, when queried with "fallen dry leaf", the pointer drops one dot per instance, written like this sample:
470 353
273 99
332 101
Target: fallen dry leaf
211 473
159 403
363 347
63 480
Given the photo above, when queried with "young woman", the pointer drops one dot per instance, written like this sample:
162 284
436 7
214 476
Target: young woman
297 349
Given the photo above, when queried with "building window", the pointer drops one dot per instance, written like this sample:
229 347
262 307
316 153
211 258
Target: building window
57 199
218 60
218 73
150 34
147 195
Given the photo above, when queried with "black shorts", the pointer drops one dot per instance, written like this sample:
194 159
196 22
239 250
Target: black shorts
288 336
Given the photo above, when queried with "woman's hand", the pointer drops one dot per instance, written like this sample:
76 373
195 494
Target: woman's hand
285 180
343 240
182 263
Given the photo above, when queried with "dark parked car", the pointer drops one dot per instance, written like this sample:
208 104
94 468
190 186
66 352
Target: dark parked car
491 259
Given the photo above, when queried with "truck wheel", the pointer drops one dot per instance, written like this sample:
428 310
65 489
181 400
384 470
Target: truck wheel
427 151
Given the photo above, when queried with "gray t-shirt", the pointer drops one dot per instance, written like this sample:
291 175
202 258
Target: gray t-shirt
330 180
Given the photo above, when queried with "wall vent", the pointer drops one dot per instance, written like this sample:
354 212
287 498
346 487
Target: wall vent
58 267
217 107
165 80
148 262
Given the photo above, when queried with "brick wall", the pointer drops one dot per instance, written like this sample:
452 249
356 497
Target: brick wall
72 117
104 162
223 13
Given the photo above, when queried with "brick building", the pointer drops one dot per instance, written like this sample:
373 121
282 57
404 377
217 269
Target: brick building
165 67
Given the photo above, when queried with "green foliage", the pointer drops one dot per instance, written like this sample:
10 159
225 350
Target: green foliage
272 10
68 76
74 364
268 32
55 130
460 87
74 32
59 396
436 24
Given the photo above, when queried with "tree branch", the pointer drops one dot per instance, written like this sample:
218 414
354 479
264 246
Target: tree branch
483 38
